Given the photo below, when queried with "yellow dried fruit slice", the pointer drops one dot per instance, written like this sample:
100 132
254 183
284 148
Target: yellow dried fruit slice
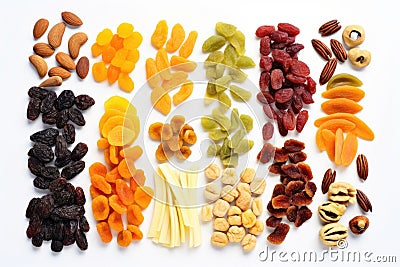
115 121
161 100
332 125
350 147
121 136
119 103
177 79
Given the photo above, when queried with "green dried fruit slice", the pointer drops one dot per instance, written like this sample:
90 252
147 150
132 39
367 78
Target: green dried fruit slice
208 123
343 79
213 43
238 42
237 75
230 56
222 83
245 62
224 101
237 138
213 150
239 94
247 122
225 29
231 161
235 121
214 57
223 120
217 134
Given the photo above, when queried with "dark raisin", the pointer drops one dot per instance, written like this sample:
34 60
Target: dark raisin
70 227
70 212
64 197
41 183
64 161
79 151
73 169
47 136
37 240
291 213
30 210
291 170
61 147
58 185
50 117
76 116
69 240
281 128
273 221
62 118
35 166
69 133
65 100
45 206
289 120
81 240
297 157
80 196
297 103
42 152
84 102
37 92
33 110
56 245
34 227
84 225
50 172
48 102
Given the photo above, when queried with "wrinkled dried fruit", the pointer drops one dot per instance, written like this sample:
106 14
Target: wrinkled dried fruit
279 234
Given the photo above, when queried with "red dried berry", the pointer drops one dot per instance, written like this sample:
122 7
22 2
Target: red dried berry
266 63
265 48
301 120
279 55
268 131
283 95
264 81
289 120
290 29
299 68
264 30
279 36
277 79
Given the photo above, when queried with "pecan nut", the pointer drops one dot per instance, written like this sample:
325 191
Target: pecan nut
329 28
338 50
330 212
322 49
362 167
359 224
332 233
328 71
363 201
342 192
329 178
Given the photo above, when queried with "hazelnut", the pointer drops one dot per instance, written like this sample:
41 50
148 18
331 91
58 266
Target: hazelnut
353 35
359 58
359 224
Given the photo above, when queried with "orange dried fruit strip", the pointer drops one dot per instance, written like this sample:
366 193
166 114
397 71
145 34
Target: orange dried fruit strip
177 38
332 125
161 100
184 93
162 64
177 78
339 138
329 143
349 150
187 47
104 231
340 105
344 91
183 64
160 34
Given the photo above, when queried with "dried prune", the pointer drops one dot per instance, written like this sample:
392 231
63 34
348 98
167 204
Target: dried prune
84 225
61 148
65 100
73 169
63 161
70 212
37 92
76 116
42 152
79 151
62 118
80 196
84 102
68 132
31 207
56 245
33 110
50 117
48 102
37 240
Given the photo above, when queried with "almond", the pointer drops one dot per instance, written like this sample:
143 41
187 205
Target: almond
82 68
59 71
65 61
40 28
55 34
75 43
52 81
40 64
71 19
43 49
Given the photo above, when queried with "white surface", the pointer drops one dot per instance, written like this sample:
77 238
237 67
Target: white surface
380 109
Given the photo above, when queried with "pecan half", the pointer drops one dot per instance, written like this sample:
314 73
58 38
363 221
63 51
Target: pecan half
332 233
329 178
342 192
330 212
338 50
321 49
363 201
328 71
329 28
362 167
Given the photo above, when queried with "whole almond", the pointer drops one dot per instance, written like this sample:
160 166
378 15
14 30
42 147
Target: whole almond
71 19
65 61
55 34
40 65
43 49
52 81
75 42
59 71
40 28
82 67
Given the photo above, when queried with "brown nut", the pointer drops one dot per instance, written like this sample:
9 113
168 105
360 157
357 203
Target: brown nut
220 208
247 175
359 58
342 192
206 213
212 171
330 211
353 35
249 242
236 233
221 224
219 239
258 228
359 224
229 193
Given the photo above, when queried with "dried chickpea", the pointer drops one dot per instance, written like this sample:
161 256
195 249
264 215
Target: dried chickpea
219 239
243 187
236 233
221 224
235 220
257 186
229 193
249 242
220 208
229 176
212 192
248 218
257 206
247 175
206 213
257 228
233 210
243 201
212 171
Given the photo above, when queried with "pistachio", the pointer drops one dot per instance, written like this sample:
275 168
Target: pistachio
359 58
353 35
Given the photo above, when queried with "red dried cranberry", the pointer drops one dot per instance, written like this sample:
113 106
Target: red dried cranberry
264 30
290 29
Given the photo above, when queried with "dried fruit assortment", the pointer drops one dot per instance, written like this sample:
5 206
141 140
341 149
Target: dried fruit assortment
66 61
285 82
118 188
175 215
291 197
167 74
235 207
119 54
176 138
338 132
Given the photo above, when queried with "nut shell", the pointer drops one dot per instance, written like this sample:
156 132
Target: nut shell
347 35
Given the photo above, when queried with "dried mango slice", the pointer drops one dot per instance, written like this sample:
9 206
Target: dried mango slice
184 92
187 47
161 100
108 114
341 105
131 153
329 143
183 64
160 34
344 91
350 147
177 78
177 38
332 125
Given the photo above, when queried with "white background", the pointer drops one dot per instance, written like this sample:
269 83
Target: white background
379 19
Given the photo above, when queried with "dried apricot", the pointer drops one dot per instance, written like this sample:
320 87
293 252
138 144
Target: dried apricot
126 168
115 221
162 64
160 34
161 100
136 233
177 38
332 125
125 82
131 153
338 146
133 41
102 143
121 136
143 196
113 175
99 71
104 231
94 192
124 238
119 103
117 42
124 193
344 91
104 37
177 78
100 208
343 105
152 76
96 49
139 178
184 93
183 64
100 183
112 74
125 30
155 131
329 143
134 215
98 168
114 153
349 150
187 47
116 204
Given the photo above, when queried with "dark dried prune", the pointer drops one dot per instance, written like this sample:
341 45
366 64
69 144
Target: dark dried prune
34 227
50 117
35 166
50 172
37 92
84 102
68 132
80 196
65 100
81 240
79 151
73 169
70 212
76 116
64 197
33 110
48 102
84 225
47 136
62 118
42 152
41 183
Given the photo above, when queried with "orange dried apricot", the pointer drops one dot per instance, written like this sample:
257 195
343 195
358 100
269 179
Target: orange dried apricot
125 82
344 91
136 233
343 105
100 208
349 150
125 30
183 153
102 143
100 183
96 49
162 64
177 78
106 153
134 215
187 47
133 41
161 100
183 64
155 130
113 175
115 221
160 34
117 42
118 103
114 153
124 193
143 196
108 54
104 231
121 136
116 121
98 168
94 192
329 143
139 177
128 66
190 137
124 238
104 37
112 74
116 203
99 71
126 168
133 184
166 132
131 153
338 146
108 114
332 125
133 55
177 38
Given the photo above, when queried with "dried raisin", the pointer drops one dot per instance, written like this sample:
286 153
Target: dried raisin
84 102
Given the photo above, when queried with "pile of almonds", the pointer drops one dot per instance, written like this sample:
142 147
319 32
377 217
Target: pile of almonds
66 61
